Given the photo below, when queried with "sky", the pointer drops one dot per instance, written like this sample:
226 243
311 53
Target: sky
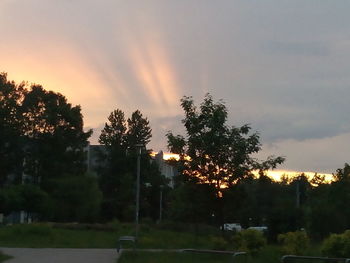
281 66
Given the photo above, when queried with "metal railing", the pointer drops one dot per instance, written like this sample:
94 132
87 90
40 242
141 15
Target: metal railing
285 258
234 254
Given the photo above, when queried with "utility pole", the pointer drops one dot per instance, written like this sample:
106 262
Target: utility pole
138 152
160 203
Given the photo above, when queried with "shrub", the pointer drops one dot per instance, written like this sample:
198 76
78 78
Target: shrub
337 245
249 240
218 243
24 197
294 243
75 199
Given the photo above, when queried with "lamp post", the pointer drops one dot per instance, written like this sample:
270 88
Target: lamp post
160 203
138 152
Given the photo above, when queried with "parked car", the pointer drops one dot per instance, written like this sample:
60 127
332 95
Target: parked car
259 228
233 227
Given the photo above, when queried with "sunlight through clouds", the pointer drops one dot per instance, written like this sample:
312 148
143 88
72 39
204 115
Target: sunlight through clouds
155 74
290 85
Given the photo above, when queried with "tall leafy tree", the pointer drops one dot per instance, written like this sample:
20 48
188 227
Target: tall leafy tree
55 136
219 154
113 134
139 131
214 153
11 157
42 140
41 131
117 180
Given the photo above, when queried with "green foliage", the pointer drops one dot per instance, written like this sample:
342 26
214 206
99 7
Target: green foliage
117 178
249 240
42 137
36 200
294 243
343 174
54 136
139 131
337 245
76 198
329 202
114 131
220 154
11 152
24 197
192 203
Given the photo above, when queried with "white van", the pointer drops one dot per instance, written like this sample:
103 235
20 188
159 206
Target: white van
233 227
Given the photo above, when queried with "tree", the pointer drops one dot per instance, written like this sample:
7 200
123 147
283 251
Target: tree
10 131
113 134
41 133
139 131
42 138
54 135
114 179
329 202
117 179
213 152
219 155
76 199
343 173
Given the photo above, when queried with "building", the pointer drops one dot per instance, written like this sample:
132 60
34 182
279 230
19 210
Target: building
93 162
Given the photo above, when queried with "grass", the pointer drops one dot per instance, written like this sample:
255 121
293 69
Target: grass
79 236
151 236
4 257
34 236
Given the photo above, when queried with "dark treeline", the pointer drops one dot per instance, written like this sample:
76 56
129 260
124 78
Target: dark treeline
43 170
285 206
43 160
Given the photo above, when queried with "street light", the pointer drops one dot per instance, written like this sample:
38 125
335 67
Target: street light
138 152
160 203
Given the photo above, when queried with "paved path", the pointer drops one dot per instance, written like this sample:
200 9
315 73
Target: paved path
60 255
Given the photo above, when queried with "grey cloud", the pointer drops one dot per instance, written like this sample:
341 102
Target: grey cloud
298 48
277 64
300 113
315 155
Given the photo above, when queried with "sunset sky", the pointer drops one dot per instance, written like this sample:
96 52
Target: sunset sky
280 65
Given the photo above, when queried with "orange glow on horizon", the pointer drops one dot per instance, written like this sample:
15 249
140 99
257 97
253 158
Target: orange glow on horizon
74 79
276 175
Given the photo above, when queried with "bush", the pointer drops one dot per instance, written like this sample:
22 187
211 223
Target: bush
24 197
337 245
76 199
294 243
249 240
218 243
